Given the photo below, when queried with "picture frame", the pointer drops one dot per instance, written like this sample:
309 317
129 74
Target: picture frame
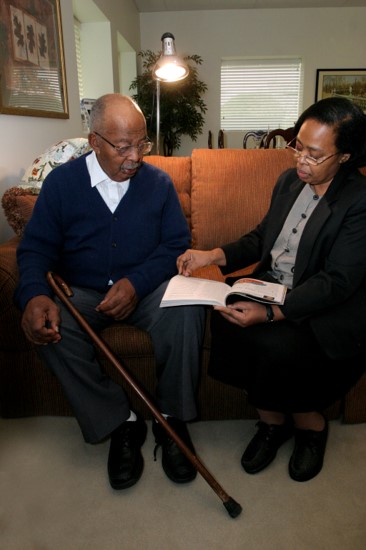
32 62
349 83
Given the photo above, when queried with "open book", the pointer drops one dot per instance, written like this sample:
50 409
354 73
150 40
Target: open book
184 291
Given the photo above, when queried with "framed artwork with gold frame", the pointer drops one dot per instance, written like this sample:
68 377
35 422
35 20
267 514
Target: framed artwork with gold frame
32 63
349 83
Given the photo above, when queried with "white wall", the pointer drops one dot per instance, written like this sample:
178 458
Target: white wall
96 40
324 38
23 138
108 59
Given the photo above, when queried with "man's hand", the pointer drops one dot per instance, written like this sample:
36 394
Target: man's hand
120 300
41 321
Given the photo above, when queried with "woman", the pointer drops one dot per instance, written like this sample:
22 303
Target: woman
297 359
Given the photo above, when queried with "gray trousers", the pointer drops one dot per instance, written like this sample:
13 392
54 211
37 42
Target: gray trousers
100 404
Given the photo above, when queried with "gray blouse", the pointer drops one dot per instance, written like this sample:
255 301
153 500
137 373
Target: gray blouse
285 248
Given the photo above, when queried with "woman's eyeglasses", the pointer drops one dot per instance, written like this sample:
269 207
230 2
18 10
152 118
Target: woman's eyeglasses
307 158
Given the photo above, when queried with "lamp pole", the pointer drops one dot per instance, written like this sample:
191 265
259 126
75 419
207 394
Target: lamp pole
158 117
168 68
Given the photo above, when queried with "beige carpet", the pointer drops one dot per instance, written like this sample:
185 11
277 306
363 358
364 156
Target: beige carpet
55 494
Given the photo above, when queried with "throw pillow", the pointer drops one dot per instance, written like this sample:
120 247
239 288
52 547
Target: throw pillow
59 153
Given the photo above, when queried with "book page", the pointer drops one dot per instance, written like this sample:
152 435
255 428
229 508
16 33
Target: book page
261 290
192 290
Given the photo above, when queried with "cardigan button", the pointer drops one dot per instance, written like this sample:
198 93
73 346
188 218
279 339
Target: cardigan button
114 245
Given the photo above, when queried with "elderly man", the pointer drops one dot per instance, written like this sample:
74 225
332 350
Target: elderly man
112 227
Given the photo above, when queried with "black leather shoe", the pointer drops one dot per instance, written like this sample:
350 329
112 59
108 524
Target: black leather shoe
175 464
263 448
308 456
125 462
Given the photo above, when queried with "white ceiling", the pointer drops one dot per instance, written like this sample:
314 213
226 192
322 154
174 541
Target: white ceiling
189 5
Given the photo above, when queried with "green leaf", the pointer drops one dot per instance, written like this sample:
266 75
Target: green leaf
182 108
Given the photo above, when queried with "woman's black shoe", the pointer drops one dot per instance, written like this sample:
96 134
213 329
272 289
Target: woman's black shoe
264 446
308 456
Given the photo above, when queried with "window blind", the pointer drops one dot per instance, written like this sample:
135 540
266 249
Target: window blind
78 57
260 94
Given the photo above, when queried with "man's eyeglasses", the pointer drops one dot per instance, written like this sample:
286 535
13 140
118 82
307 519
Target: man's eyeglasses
308 158
142 148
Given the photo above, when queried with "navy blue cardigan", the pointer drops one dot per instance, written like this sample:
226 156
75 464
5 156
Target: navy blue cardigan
73 233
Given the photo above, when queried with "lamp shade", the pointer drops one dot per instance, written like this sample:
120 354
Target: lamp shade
169 67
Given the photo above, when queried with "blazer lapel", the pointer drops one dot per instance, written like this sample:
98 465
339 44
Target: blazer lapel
314 226
279 213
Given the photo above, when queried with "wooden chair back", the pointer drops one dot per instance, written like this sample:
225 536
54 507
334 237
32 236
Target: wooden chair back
209 139
270 141
253 137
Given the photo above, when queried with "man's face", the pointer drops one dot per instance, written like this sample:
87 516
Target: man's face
120 144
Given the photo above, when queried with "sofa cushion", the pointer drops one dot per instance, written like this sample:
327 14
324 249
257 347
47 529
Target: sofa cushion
57 154
179 169
225 201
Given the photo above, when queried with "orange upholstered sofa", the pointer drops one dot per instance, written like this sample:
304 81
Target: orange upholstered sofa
224 193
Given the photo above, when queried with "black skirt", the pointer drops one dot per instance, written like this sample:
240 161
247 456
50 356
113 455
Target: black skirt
280 365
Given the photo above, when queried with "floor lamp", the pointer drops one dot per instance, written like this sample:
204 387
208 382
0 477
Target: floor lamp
168 68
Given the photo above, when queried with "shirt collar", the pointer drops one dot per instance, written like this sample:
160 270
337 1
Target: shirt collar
96 172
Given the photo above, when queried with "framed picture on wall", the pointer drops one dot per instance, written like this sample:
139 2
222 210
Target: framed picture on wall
349 83
32 65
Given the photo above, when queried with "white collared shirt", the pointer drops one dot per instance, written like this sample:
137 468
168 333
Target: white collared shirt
111 191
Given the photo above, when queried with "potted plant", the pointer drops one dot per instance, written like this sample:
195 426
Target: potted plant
181 105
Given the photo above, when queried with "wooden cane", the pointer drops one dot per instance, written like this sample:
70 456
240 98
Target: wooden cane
63 291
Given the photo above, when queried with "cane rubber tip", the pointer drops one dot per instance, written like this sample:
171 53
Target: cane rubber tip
233 507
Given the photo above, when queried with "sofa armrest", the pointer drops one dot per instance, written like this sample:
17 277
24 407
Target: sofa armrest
8 262
18 205
11 334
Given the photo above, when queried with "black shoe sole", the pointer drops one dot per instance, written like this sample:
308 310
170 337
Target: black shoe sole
270 458
171 476
261 467
310 474
119 486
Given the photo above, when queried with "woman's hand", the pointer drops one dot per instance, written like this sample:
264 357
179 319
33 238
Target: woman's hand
191 260
245 313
